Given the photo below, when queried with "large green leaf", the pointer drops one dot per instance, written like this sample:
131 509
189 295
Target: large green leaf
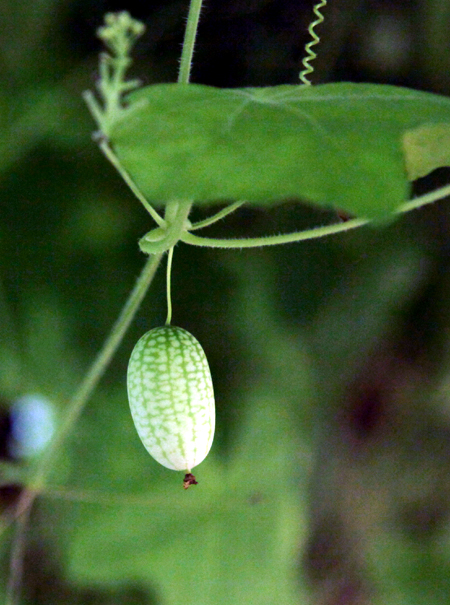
233 538
338 145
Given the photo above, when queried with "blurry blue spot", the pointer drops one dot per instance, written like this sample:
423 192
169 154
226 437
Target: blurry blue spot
32 425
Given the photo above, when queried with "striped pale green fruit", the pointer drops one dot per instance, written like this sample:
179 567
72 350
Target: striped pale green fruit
171 397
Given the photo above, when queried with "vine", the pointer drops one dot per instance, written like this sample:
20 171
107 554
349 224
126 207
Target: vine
310 54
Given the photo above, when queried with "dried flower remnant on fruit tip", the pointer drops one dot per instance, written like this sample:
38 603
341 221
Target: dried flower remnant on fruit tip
189 479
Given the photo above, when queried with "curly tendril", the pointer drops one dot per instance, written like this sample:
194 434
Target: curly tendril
310 54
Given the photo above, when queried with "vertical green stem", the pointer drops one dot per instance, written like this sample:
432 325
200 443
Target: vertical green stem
98 367
92 378
189 41
176 216
168 286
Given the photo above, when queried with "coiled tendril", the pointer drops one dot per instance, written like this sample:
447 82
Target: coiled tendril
310 54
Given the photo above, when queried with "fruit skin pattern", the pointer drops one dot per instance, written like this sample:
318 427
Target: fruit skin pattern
171 397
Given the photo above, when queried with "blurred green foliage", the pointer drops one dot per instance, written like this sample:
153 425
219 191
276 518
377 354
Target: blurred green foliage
330 358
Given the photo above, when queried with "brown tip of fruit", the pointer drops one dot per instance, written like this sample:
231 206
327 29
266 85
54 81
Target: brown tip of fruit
189 479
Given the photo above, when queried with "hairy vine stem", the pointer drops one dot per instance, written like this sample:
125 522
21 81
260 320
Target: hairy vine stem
314 233
273 240
75 407
189 41
97 368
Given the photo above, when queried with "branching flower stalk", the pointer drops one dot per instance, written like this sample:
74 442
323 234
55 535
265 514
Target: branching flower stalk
119 34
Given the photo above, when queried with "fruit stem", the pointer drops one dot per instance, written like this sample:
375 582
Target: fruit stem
168 286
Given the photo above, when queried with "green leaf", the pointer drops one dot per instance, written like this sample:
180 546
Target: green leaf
426 147
232 538
337 145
